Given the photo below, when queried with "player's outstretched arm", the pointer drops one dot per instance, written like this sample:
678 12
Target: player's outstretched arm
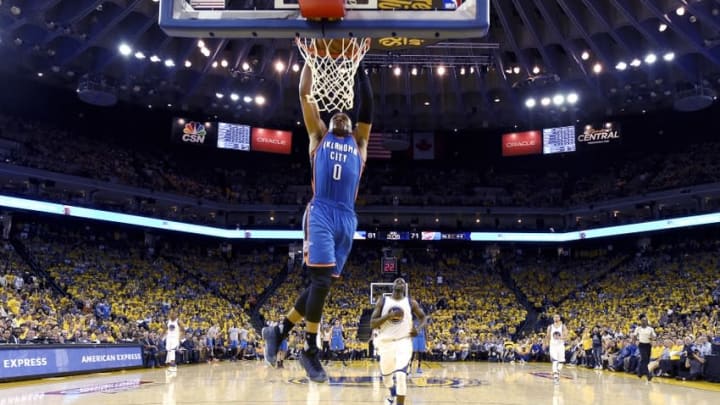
314 124
365 111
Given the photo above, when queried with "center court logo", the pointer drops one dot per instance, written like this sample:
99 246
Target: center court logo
194 132
418 382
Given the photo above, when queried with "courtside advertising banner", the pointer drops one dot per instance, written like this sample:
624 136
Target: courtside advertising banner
271 141
29 361
522 143
605 134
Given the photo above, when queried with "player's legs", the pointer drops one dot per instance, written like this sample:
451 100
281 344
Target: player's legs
171 346
395 359
557 356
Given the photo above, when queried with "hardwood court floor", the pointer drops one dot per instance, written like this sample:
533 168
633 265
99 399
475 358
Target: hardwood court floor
252 382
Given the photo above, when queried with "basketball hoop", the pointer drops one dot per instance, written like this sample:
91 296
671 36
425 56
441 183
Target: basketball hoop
333 63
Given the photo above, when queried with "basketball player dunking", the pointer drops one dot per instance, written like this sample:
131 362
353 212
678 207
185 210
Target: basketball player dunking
392 318
172 339
337 155
555 340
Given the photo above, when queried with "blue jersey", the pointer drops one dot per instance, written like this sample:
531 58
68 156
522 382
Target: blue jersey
337 167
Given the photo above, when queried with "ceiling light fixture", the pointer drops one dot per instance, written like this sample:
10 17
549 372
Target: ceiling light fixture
259 100
545 101
279 66
597 68
650 58
530 103
124 49
585 55
397 71
669 56
635 62
234 97
662 27
572 98
680 11
295 67
188 64
139 55
155 59
558 99
441 70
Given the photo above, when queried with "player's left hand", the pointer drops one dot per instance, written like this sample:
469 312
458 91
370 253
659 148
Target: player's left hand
413 332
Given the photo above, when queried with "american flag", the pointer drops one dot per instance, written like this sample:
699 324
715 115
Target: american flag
197 4
376 150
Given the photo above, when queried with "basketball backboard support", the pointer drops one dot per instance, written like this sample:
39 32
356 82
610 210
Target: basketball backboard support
367 18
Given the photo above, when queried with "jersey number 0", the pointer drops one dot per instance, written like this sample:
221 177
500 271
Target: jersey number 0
337 171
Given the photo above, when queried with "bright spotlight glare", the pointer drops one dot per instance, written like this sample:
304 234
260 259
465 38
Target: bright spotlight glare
139 55
188 64
224 63
413 72
585 55
169 63
219 95
124 49
441 70
200 43
650 58
234 97
245 66
279 66
247 99
680 11
572 98
635 62
259 100
530 103
397 71
668 57
597 68
558 99
662 27
295 67
621 66
545 101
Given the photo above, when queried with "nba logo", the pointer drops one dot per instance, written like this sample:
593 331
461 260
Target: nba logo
449 4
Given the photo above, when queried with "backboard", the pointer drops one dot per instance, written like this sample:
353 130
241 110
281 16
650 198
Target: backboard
431 19
378 290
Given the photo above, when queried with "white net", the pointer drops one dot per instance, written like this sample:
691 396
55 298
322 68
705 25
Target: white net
333 64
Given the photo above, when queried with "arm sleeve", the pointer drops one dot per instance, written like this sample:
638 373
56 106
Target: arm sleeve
364 96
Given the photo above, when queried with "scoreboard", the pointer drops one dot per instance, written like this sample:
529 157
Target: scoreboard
415 235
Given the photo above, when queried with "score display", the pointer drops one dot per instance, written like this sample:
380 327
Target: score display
559 140
233 136
412 235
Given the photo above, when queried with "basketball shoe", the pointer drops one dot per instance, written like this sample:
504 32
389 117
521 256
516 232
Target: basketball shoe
272 338
309 359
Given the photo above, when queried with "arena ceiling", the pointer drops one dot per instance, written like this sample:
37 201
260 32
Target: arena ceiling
611 53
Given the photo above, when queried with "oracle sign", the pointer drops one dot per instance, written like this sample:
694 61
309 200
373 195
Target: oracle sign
271 140
522 143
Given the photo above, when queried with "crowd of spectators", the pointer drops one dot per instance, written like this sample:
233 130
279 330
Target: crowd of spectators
285 181
114 288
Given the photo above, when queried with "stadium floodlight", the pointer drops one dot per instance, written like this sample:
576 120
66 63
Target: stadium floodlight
124 49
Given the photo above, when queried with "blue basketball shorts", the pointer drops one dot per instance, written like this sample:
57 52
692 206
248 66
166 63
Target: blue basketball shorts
329 235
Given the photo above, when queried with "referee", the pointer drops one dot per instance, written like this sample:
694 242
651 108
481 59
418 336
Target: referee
645 333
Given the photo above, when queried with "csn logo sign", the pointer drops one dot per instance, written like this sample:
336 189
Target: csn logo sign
194 132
